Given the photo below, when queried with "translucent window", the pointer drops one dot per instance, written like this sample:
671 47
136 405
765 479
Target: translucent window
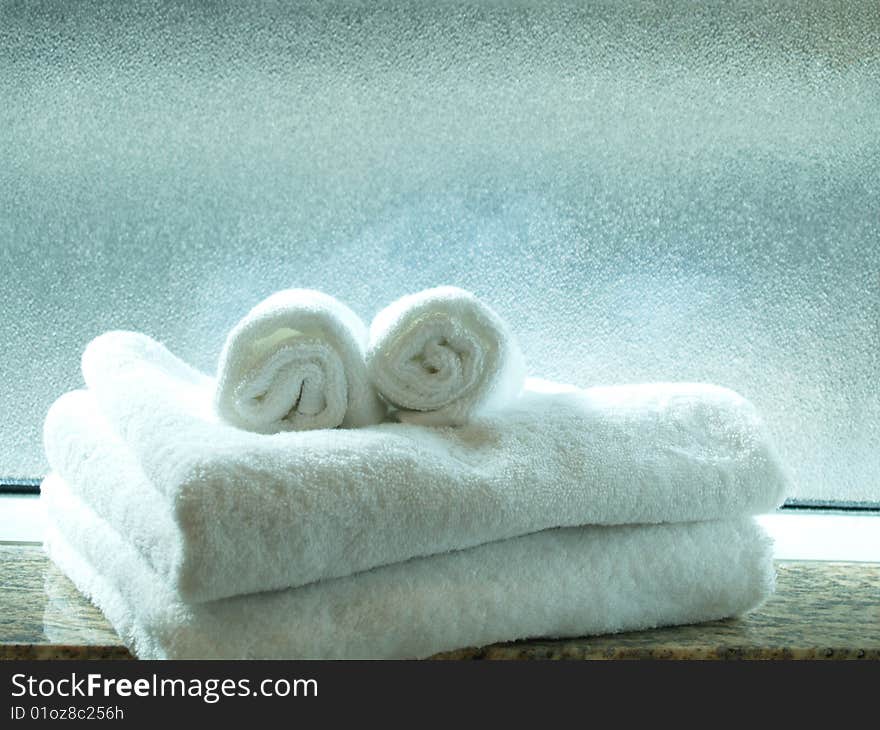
663 191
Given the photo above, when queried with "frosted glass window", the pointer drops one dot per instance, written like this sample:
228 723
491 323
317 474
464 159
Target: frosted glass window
647 191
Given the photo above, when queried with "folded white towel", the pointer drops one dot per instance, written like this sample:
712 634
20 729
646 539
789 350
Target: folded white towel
566 582
442 356
219 511
296 362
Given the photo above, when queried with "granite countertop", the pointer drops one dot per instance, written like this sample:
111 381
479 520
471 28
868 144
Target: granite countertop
821 610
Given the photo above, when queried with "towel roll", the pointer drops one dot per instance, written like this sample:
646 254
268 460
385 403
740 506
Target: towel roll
442 356
296 363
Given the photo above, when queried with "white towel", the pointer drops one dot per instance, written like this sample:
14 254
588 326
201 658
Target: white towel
219 511
296 362
566 582
442 357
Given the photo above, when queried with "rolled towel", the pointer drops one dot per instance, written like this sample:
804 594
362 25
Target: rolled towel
442 356
568 582
296 363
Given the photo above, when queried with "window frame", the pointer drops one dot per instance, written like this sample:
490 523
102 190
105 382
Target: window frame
9 485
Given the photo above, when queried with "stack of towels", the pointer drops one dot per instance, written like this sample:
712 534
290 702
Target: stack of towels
339 491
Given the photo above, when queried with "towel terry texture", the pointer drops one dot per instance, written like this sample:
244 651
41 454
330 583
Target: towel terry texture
216 511
442 356
296 362
562 582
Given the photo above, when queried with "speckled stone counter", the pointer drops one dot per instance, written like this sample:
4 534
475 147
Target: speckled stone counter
820 611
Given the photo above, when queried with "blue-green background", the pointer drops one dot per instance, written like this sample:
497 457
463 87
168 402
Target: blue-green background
647 191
